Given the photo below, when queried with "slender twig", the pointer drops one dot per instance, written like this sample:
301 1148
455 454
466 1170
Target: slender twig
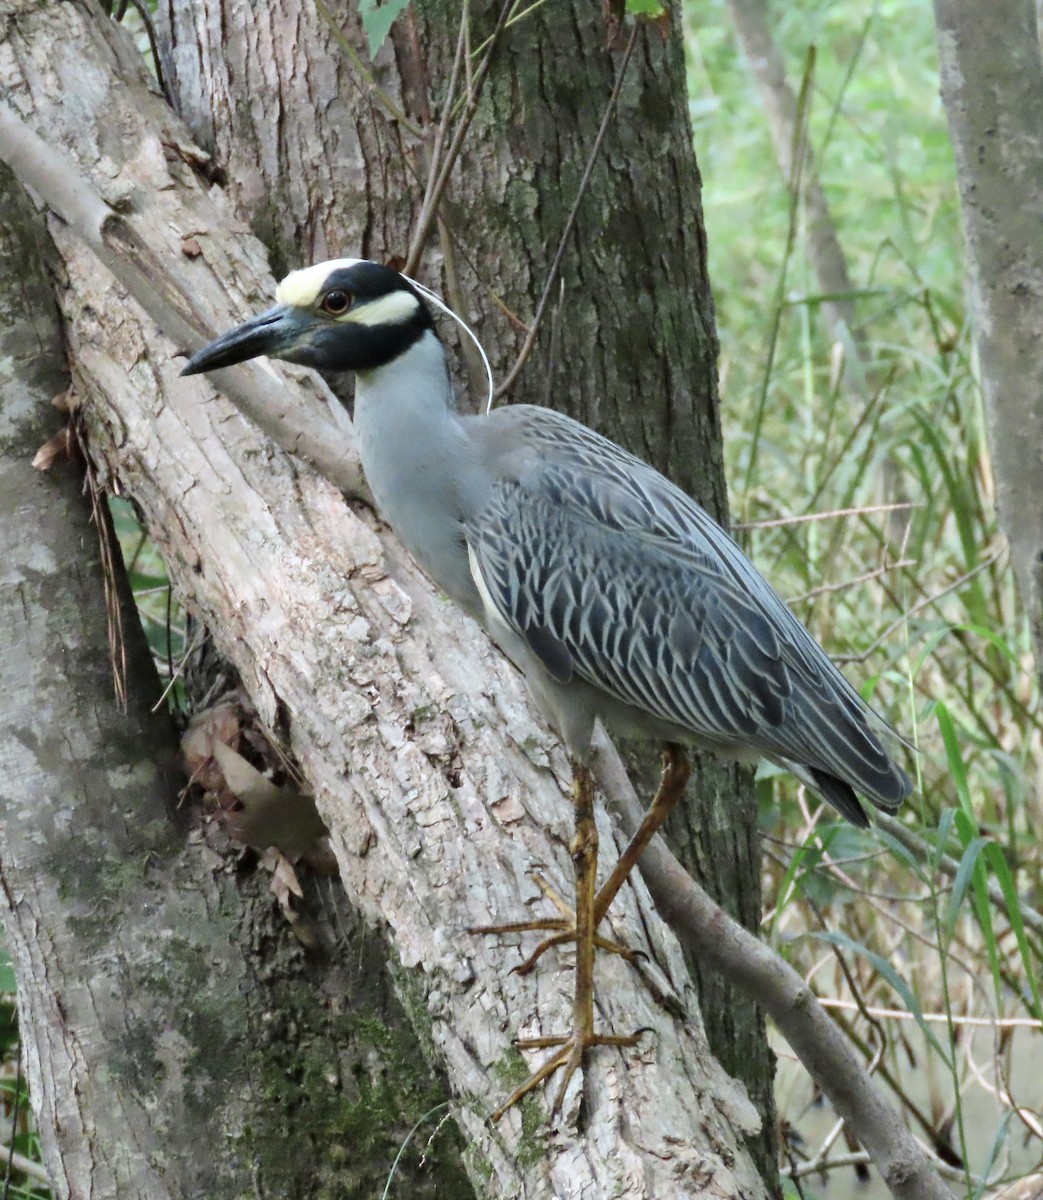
844 584
434 198
512 20
901 1014
447 1104
802 518
926 853
150 32
926 602
175 673
443 124
30 1169
566 233
367 75
109 554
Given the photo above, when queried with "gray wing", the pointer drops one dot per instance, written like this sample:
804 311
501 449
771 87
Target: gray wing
614 575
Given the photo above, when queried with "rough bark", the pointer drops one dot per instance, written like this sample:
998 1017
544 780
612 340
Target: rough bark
166 1005
439 787
629 344
992 88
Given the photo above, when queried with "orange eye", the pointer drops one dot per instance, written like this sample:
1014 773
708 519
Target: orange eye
336 303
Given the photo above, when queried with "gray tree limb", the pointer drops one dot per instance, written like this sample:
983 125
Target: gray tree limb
992 88
905 1166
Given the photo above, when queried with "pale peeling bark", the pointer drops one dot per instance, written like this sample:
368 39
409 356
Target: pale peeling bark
165 1004
992 87
439 787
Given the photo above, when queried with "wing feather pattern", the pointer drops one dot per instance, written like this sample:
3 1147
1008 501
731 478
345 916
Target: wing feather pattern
588 551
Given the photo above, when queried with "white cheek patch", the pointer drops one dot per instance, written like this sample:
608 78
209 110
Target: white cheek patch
393 309
301 288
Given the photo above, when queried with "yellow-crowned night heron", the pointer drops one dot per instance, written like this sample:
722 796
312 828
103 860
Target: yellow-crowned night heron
616 594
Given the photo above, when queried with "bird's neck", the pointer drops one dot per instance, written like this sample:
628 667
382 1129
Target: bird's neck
413 447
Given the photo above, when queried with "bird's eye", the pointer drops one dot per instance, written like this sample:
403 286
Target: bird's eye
336 303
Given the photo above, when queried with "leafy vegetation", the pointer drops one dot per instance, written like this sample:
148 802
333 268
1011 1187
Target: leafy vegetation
918 601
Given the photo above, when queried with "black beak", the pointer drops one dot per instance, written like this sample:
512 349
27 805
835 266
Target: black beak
274 332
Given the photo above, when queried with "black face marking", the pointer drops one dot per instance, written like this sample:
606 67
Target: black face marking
357 347
321 333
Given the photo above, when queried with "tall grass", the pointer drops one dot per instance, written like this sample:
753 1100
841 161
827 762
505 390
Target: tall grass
919 603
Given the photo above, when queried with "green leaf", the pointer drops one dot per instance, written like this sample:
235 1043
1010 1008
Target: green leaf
891 976
377 18
807 857
954 756
945 824
998 865
652 9
964 878
967 829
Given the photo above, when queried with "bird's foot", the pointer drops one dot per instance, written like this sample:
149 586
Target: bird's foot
569 1057
562 930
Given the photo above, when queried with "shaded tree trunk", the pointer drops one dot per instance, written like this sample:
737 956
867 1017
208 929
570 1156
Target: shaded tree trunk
992 88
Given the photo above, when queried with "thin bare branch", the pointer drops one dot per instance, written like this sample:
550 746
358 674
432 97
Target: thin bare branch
802 518
926 602
710 934
434 196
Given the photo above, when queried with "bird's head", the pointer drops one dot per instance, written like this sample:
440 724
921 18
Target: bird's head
345 315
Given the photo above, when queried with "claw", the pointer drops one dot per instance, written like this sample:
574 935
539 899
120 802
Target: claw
580 925
569 1055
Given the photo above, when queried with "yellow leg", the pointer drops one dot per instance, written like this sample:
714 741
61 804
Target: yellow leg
562 929
584 850
676 773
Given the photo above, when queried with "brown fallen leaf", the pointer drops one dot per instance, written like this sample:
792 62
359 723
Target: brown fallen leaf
55 449
269 815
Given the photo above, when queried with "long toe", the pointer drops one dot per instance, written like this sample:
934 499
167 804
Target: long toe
569 1053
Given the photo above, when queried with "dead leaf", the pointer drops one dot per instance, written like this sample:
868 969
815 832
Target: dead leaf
284 886
54 449
269 815
67 401
218 725
253 809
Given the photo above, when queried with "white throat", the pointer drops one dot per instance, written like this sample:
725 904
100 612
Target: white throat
411 443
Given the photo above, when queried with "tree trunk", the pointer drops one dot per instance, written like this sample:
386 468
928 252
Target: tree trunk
166 1006
396 709
992 87
629 344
